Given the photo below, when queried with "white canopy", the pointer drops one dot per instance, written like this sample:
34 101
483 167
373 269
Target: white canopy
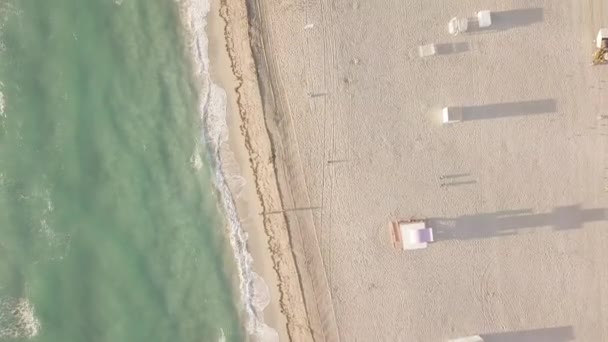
458 25
412 234
484 18
451 114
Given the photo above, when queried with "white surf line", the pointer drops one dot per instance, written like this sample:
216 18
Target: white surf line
213 111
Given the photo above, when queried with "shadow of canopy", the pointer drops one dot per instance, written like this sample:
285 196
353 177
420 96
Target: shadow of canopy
506 20
508 109
555 334
505 223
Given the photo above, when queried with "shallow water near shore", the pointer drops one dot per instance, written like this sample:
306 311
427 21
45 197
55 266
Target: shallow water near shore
110 228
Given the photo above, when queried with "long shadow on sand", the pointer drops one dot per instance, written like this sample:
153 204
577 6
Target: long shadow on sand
452 48
505 223
506 20
508 109
556 334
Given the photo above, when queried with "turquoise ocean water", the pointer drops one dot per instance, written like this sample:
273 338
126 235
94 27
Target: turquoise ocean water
109 222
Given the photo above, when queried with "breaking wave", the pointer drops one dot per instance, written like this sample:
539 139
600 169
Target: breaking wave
212 107
2 103
18 319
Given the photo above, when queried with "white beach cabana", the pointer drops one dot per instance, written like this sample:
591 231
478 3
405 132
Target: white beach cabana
451 115
427 50
484 18
409 235
458 25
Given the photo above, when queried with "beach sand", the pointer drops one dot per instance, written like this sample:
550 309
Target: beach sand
342 130
232 67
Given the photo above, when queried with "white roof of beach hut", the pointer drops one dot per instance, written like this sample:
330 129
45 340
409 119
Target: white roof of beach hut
427 50
451 114
458 25
484 18
412 234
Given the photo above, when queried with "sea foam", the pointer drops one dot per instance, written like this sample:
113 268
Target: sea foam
2 103
253 290
17 319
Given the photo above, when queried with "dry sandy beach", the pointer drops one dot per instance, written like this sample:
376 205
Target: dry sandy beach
336 122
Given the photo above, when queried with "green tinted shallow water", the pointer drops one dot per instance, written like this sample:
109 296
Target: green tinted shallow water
106 228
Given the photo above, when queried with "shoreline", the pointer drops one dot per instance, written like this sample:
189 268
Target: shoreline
232 67
253 292
247 203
